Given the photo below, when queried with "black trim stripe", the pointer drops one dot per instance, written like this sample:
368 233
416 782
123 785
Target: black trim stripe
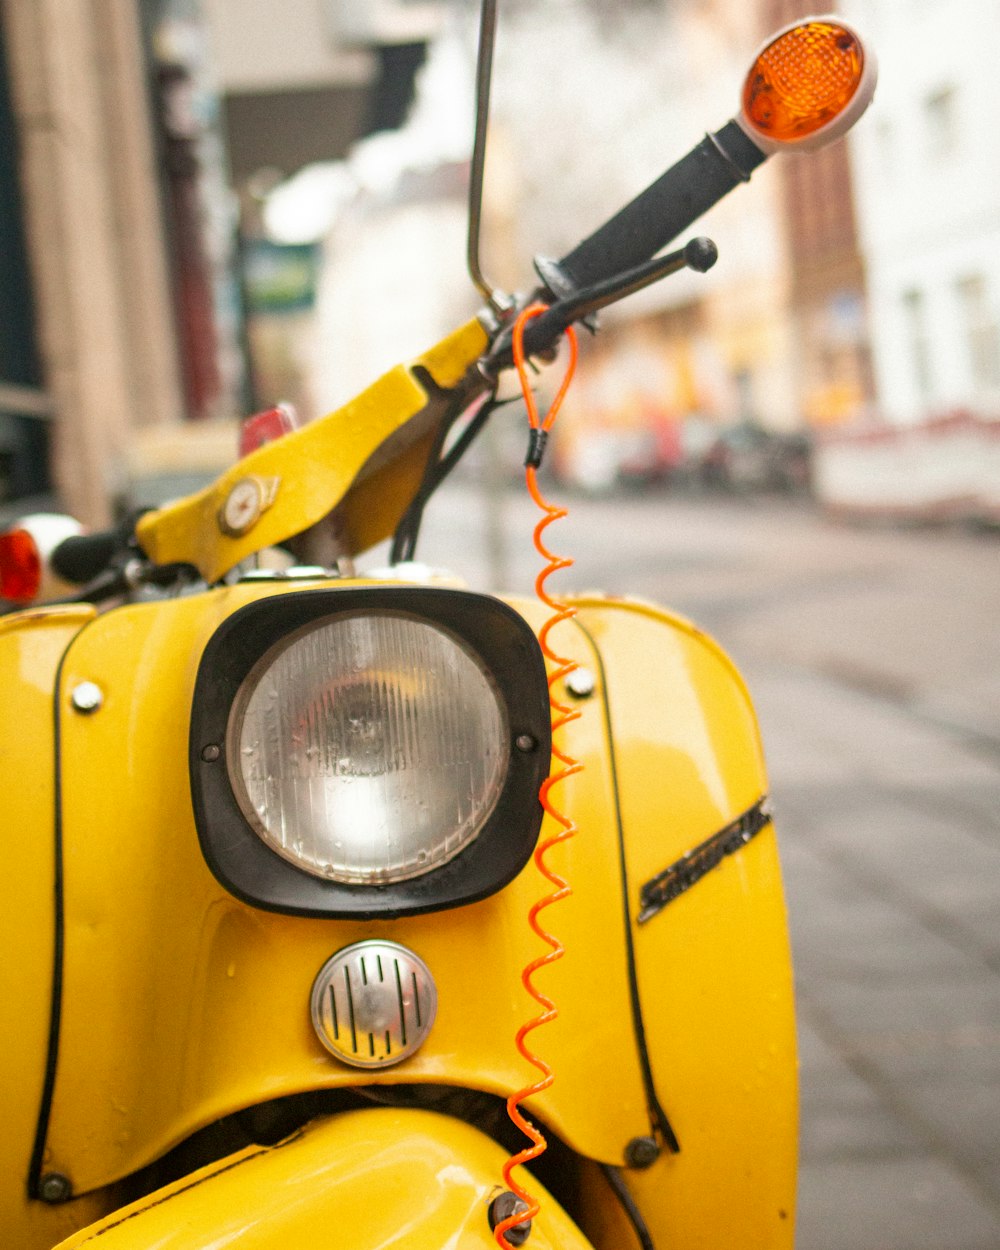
628 1204
58 936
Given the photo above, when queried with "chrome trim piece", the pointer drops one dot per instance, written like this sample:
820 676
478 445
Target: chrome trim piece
692 866
373 1004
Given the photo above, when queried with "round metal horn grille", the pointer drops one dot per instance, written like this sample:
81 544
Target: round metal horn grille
373 1004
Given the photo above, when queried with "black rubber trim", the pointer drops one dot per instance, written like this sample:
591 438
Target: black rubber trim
243 863
58 939
695 864
657 1114
628 1204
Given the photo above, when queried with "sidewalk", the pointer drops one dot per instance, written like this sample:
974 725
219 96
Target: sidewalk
890 841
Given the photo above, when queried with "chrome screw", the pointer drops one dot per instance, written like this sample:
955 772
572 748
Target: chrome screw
210 753
87 697
525 743
581 683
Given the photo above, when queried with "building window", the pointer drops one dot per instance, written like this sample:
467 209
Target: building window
982 333
941 121
915 309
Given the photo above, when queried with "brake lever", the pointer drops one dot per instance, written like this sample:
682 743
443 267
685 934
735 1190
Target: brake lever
543 333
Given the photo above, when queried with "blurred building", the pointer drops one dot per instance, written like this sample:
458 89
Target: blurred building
927 167
121 335
928 176
303 80
138 140
300 85
24 406
93 303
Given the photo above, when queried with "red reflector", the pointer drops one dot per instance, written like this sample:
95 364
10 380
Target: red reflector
265 427
20 567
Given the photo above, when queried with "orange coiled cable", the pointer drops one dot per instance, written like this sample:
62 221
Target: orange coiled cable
562 715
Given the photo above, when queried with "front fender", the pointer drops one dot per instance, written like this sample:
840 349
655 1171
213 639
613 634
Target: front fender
370 1180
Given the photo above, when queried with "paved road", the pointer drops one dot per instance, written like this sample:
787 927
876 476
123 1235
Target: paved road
874 657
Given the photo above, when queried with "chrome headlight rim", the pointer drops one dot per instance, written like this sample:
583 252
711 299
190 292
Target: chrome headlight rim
458 653
502 642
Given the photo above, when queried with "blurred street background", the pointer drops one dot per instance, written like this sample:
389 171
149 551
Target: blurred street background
873 657
211 206
208 207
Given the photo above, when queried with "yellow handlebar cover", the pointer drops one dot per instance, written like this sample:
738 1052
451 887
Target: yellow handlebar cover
330 462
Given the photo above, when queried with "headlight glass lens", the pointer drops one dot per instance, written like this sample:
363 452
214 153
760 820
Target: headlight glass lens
368 748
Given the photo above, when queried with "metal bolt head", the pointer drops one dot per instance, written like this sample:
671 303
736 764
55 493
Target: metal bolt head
87 697
54 1187
210 753
525 743
504 1206
581 683
642 1152
133 573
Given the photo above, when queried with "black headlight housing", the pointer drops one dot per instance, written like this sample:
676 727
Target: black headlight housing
244 864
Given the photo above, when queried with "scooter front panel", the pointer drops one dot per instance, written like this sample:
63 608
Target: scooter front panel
182 1004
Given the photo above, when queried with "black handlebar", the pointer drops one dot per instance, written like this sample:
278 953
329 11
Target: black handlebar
82 558
659 214
620 257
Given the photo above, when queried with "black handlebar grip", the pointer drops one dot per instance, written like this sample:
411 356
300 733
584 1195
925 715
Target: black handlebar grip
665 209
82 558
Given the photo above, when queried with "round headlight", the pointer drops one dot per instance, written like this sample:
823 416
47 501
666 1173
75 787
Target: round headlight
368 748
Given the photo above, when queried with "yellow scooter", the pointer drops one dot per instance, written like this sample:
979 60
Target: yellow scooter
272 840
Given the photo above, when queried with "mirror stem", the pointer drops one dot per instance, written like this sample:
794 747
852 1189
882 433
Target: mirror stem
484 74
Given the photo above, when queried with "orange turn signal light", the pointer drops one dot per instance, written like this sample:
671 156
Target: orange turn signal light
20 567
807 85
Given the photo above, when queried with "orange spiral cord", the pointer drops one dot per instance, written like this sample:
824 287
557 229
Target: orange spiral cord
562 715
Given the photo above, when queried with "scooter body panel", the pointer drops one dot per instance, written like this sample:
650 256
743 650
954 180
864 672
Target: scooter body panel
371 1180
32 645
212 994
181 1004
713 966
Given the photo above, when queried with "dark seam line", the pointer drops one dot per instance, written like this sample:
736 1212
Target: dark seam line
656 1111
58 939
203 1180
628 1204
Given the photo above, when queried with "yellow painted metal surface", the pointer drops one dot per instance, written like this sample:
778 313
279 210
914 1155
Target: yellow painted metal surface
713 968
183 1004
331 461
369 1180
31 645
